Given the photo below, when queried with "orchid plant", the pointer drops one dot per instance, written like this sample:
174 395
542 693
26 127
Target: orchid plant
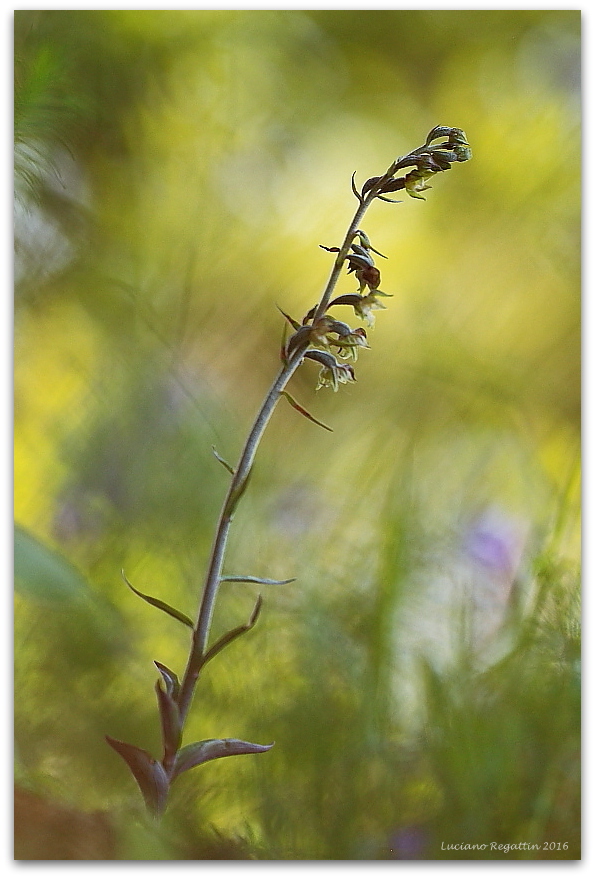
334 345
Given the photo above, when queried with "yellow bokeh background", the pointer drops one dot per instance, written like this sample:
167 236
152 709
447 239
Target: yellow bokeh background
179 171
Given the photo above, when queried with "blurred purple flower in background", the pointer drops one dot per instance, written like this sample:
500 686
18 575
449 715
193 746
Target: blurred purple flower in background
496 541
408 843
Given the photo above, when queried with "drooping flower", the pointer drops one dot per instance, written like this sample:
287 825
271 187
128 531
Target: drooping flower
332 373
370 303
348 342
362 264
415 182
320 330
342 373
363 306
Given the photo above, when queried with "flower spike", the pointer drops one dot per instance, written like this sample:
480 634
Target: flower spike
326 341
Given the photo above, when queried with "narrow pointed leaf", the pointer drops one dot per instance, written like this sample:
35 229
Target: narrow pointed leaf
229 468
348 299
353 188
289 319
258 579
309 315
303 411
172 684
232 635
377 252
148 773
161 605
205 751
171 725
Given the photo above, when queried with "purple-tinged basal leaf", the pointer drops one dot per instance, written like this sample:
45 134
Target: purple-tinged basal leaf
171 725
215 748
148 773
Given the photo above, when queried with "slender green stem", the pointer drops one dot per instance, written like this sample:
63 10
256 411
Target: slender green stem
235 491
336 271
242 473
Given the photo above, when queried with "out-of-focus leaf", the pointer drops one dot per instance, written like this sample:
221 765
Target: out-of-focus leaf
90 625
43 574
148 773
161 605
215 748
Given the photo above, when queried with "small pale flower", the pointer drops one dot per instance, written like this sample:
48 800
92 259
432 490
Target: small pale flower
415 182
333 376
349 343
368 304
319 331
363 305
332 373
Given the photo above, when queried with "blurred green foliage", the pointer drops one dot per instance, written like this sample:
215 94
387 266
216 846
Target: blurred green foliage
175 174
